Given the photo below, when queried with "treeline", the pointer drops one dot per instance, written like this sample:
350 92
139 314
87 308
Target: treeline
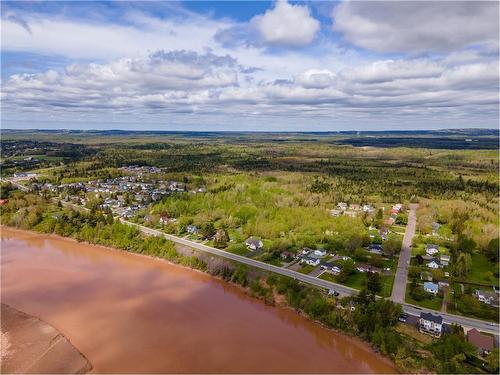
35 213
374 320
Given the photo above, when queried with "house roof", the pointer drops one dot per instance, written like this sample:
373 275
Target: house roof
431 286
432 318
480 340
432 246
253 241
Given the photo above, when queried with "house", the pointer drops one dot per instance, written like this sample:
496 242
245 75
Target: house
483 343
430 287
335 212
254 243
430 324
305 251
192 229
336 270
431 249
327 265
312 261
361 267
375 249
342 206
487 297
434 264
163 219
286 255
368 208
319 253
426 276
443 284
445 260
354 207
3 201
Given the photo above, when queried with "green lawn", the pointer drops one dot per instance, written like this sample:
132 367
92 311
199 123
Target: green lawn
434 303
482 271
238 249
328 277
420 249
306 269
387 283
356 280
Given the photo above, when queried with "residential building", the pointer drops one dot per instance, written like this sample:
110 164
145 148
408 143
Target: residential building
192 229
319 253
430 287
431 249
342 206
430 324
434 264
488 297
445 260
254 243
483 343
312 261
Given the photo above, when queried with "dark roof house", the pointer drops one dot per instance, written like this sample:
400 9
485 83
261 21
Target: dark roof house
482 342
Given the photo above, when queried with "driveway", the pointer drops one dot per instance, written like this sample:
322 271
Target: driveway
401 278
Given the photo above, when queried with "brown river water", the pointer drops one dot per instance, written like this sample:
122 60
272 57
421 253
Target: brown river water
128 313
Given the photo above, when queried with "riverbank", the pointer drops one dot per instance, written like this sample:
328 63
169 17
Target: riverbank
96 253
29 345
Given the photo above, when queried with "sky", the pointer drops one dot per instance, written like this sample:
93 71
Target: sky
254 66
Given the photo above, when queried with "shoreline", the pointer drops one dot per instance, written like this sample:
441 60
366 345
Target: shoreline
31 345
245 290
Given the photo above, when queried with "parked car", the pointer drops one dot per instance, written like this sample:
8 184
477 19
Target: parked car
403 317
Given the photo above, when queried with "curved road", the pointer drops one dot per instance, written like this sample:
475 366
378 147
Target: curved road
399 282
342 289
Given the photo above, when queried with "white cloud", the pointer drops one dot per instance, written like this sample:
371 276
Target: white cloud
286 24
186 82
414 26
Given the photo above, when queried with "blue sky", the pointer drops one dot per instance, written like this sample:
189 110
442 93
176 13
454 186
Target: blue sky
267 65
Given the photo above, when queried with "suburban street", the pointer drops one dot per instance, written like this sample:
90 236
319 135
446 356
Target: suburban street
342 289
398 290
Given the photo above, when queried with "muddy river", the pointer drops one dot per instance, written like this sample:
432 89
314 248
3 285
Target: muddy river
128 313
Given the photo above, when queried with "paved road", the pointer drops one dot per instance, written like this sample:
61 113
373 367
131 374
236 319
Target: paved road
401 278
342 289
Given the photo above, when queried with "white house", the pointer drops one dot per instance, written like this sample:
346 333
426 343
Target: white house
431 249
319 252
254 243
445 260
336 270
310 260
430 324
342 206
487 297
431 287
434 264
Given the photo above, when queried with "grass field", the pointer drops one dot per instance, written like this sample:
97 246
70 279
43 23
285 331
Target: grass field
482 271
306 269
434 303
